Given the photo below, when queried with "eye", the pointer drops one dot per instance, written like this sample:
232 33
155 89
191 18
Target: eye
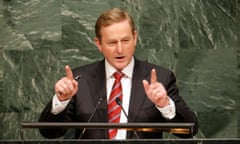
125 41
112 43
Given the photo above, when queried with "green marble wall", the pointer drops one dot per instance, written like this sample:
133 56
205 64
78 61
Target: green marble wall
198 39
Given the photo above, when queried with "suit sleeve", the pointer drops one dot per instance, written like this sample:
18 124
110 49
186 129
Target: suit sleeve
47 116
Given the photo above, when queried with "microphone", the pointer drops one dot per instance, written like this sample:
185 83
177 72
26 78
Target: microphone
100 100
77 77
119 102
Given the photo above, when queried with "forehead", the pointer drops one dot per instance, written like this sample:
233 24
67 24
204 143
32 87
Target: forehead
116 29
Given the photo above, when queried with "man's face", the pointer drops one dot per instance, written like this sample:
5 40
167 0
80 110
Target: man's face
117 44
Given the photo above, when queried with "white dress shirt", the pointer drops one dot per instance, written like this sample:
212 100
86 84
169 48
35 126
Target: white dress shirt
126 83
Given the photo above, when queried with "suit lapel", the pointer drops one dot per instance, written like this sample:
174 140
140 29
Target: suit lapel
137 94
97 85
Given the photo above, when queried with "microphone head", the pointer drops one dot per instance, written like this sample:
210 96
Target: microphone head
118 101
100 99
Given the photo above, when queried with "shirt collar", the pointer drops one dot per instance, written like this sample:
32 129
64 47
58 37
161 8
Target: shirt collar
128 70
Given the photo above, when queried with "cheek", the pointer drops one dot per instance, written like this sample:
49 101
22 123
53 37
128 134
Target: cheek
106 51
131 48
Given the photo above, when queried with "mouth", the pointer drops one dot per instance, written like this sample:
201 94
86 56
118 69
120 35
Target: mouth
120 57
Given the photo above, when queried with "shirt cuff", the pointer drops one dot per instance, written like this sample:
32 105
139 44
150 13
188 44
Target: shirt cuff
58 106
168 111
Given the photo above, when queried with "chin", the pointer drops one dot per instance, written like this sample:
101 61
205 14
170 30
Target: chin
121 67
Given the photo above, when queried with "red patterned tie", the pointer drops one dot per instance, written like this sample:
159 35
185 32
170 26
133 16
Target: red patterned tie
114 110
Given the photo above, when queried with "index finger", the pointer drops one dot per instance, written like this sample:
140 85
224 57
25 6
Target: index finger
153 76
69 73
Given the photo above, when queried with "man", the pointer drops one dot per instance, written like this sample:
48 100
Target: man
147 92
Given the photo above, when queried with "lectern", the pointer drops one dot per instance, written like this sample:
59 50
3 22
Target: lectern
177 128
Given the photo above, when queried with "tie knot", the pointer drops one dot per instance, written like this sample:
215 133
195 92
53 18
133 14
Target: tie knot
118 75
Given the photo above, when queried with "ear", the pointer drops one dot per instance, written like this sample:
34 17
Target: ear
98 43
135 35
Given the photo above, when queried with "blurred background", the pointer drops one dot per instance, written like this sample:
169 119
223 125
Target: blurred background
198 39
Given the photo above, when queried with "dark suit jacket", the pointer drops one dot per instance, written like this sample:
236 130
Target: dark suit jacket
92 86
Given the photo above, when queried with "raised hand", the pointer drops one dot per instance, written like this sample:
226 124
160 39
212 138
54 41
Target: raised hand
67 86
156 91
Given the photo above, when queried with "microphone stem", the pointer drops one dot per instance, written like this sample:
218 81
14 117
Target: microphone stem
91 116
119 102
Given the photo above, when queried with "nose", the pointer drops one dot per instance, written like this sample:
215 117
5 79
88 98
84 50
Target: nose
119 48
